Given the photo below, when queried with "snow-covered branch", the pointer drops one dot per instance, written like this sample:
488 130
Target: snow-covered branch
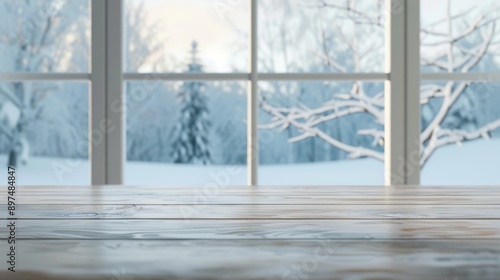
448 136
454 48
308 130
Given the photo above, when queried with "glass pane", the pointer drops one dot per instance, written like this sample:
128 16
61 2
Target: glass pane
460 36
159 34
321 133
188 133
460 133
44 132
321 36
44 36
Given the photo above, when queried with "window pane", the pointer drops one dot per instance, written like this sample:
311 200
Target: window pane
44 36
321 36
159 34
44 132
460 36
186 133
462 146
321 133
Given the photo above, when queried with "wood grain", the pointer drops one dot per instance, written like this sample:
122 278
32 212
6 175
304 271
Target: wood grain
214 189
262 259
103 199
257 229
158 233
265 212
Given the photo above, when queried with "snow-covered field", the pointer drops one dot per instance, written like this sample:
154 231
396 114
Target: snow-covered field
475 163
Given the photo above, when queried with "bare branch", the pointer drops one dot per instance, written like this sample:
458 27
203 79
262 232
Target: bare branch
378 136
308 130
446 136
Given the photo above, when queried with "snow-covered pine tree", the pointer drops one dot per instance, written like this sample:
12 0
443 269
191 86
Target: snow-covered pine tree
191 133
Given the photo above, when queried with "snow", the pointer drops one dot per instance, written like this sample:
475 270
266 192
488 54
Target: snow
9 113
50 171
473 163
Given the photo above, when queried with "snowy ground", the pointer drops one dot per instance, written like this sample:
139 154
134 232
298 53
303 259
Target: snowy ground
475 163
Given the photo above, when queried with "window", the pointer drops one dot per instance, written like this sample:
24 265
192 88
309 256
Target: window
295 92
44 90
188 129
321 36
319 133
183 133
460 123
158 35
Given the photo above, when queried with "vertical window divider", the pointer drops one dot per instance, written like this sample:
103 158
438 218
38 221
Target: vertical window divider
115 101
412 93
107 101
252 109
97 133
402 93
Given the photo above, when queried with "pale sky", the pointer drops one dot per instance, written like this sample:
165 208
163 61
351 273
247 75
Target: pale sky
432 10
215 30
215 25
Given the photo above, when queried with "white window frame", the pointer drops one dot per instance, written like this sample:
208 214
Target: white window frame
402 91
107 101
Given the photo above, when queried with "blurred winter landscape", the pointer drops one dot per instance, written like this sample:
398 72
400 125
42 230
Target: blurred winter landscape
311 132
452 165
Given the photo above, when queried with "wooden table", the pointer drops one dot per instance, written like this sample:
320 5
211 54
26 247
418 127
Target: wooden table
132 233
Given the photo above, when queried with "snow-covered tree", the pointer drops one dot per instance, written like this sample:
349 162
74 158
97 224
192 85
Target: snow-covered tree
35 37
449 111
460 42
227 105
146 136
191 134
143 40
312 36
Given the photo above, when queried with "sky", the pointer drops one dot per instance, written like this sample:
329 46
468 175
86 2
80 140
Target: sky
212 23
433 10
217 27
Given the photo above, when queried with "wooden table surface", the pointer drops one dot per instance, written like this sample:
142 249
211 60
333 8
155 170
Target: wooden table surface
133 233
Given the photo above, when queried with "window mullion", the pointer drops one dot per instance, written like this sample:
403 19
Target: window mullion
97 133
412 91
107 101
252 126
402 106
115 103
394 94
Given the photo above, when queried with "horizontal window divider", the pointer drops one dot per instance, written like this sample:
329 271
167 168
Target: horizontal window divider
324 76
482 77
261 76
28 77
185 76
